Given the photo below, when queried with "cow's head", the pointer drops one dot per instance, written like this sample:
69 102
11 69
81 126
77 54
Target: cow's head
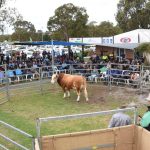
54 78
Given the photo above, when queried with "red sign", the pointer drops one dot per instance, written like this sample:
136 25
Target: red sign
125 40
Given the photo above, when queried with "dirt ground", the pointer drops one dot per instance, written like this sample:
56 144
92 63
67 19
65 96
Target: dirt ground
101 93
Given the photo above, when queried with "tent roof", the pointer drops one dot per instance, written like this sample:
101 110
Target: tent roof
120 45
64 43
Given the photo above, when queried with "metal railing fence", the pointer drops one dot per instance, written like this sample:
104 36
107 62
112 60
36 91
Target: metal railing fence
14 142
34 78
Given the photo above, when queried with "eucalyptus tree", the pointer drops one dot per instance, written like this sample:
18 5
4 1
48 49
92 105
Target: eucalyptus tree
2 2
8 16
68 21
133 14
104 29
23 30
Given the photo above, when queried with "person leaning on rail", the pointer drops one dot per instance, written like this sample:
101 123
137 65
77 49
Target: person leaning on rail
144 121
120 119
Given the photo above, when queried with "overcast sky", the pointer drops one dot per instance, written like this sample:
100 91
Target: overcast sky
39 11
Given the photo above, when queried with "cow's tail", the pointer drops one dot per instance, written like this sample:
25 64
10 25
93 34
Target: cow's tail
85 90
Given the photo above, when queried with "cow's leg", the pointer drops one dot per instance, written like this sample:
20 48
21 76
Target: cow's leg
86 94
64 93
68 93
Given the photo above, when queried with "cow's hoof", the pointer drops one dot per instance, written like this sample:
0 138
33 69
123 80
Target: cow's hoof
87 100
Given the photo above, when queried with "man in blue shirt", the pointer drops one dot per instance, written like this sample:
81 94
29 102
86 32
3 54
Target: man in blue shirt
119 119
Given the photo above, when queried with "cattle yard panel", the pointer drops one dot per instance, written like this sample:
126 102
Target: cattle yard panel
84 115
112 74
145 78
12 141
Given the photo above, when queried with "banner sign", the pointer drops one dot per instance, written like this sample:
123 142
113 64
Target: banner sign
76 40
95 40
107 40
128 37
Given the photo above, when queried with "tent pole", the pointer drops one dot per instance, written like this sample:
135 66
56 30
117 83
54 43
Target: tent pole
52 53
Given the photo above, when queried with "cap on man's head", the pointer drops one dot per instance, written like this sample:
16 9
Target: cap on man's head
123 106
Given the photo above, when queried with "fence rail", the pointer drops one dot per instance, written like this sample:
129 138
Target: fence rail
12 141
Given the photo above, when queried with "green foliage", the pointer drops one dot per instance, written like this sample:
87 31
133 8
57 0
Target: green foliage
5 38
145 47
104 29
69 21
24 26
24 30
133 14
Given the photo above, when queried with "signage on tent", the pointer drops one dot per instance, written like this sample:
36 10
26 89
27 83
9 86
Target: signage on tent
76 40
107 40
125 40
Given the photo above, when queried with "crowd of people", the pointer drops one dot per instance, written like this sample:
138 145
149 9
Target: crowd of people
20 59
95 67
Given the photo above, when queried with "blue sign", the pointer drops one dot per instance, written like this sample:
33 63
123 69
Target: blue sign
107 40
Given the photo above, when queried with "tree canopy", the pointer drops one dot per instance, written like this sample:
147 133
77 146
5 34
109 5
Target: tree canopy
8 16
69 21
2 2
104 29
24 30
133 14
24 26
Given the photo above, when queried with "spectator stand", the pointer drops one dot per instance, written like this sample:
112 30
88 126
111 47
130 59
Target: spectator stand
120 76
145 78
2 75
4 85
46 72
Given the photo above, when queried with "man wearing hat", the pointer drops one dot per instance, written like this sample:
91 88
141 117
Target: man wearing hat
145 120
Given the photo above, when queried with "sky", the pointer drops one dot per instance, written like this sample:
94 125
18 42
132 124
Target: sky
38 11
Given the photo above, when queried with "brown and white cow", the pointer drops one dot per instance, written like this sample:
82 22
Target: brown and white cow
68 82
